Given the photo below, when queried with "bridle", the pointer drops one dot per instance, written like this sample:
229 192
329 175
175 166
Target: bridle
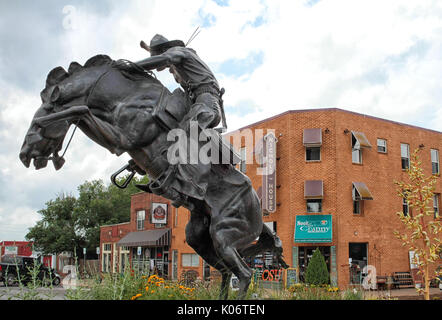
55 156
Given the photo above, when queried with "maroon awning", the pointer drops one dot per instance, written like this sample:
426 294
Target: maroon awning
312 137
148 238
313 189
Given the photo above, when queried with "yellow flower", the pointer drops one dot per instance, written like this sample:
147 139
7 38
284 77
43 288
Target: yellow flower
147 288
153 291
166 287
136 296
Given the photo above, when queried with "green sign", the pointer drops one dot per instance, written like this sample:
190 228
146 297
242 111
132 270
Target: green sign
313 228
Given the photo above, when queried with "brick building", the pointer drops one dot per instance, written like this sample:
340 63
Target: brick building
150 241
334 174
21 248
335 166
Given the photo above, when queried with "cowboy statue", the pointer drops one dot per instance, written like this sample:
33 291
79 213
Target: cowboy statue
181 181
192 74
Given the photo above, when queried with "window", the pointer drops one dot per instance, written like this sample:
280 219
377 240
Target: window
405 207
435 161
312 153
106 259
358 206
360 193
141 216
405 156
190 260
312 140
242 163
382 145
314 205
356 156
436 205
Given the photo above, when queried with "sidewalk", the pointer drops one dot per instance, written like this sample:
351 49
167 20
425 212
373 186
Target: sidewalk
405 294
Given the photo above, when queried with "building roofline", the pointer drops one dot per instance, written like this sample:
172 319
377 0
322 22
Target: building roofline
115 224
329 109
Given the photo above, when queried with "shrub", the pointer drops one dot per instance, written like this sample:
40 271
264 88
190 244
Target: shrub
317 272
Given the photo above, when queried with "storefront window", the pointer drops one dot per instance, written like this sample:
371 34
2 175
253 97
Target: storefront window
106 258
306 253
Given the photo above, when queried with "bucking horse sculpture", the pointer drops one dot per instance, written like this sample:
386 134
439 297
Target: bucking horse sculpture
120 107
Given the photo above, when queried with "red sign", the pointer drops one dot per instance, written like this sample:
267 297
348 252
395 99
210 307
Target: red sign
272 275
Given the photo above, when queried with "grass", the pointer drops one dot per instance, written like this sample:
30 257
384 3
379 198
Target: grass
134 286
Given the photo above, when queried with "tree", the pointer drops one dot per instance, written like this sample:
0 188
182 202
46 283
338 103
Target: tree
58 230
317 272
70 223
422 230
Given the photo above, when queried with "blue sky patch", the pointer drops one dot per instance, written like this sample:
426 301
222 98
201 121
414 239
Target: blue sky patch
311 3
207 20
241 108
222 3
240 67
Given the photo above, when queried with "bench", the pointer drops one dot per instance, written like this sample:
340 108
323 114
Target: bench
402 280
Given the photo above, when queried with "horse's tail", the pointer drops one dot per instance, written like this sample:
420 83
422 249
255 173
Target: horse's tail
267 241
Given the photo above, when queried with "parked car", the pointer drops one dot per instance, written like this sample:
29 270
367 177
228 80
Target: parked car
15 269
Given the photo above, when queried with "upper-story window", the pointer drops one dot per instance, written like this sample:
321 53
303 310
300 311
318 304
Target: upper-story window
141 216
358 142
312 141
313 193
382 145
405 207
242 163
360 193
436 197
405 156
435 161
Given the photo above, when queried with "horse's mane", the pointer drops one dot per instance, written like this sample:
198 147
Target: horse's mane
127 68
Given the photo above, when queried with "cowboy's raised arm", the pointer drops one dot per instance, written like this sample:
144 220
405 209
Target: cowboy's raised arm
170 57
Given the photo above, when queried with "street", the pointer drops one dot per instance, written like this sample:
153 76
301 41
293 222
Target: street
17 293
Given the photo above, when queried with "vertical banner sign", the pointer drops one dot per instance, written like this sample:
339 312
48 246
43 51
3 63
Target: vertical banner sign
269 176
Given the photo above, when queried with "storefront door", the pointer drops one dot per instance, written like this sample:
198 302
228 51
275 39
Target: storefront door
357 254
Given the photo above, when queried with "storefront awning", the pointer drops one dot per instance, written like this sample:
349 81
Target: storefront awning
312 137
359 140
313 189
147 238
361 192
314 228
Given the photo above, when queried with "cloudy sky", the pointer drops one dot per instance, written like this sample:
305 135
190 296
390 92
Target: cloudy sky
382 58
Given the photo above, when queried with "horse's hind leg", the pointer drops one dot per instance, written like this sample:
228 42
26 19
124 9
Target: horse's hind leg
225 241
198 237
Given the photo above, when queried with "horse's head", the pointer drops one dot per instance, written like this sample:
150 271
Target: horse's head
64 89
42 143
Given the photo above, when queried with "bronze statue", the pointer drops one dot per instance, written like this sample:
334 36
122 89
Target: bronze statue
122 107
